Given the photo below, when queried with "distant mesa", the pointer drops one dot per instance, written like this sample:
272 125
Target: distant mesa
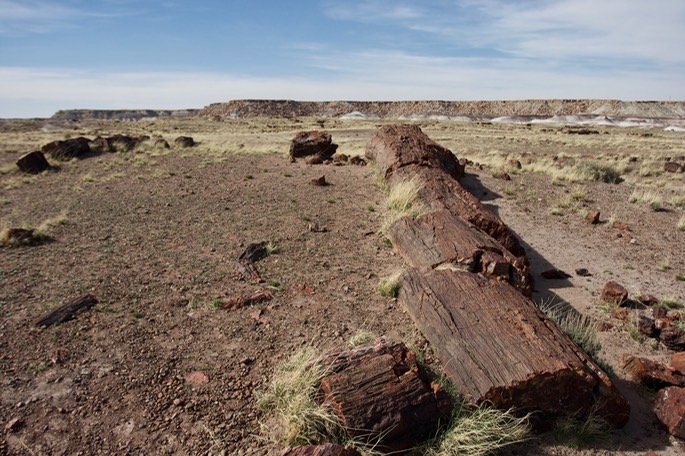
669 115
120 114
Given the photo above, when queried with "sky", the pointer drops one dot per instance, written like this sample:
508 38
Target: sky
174 54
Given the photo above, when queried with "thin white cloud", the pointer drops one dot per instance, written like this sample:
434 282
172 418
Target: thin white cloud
374 75
39 16
371 10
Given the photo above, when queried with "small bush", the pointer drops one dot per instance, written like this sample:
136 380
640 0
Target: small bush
389 287
361 337
653 199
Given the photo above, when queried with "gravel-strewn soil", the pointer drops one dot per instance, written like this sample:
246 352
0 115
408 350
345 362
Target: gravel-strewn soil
155 235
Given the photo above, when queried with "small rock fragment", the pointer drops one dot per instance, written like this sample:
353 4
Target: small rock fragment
592 217
319 181
614 293
583 272
196 377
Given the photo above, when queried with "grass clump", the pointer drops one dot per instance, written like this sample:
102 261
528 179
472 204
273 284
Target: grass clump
402 197
480 431
581 433
361 337
580 328
589 170
670 303
290 402
635 334
653 199
389 287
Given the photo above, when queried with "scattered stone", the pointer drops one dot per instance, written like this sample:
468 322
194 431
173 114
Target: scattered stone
313 160
661 323
669 407
184 141
678 362
514 164
614 293
673 338
327 449
592 217
161 143
583 272
652 374
660 312
555 274
357 160
124 143
196 377
672 167
646 326
243 301
319 182
648 300
16 236
67 149
13 424
620 226
316 228
604 326
340 158
310 143
33 163
501 175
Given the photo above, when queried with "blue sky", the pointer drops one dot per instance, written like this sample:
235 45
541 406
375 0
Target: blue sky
115 54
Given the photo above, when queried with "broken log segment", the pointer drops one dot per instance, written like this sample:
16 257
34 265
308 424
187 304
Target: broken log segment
380 395
33 163
440 239
440 191
498 348
396 146
67 311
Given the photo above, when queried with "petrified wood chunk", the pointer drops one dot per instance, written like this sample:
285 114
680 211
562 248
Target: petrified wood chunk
380 395
184 141
68 311
440 238
307 143
396 146
497 347
33 163
669 407
652 373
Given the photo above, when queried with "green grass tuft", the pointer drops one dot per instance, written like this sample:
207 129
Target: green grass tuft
389 287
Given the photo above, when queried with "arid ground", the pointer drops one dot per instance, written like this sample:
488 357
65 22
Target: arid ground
159 366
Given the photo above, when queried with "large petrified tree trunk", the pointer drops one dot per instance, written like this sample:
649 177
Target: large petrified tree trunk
494 344
497 347
381 396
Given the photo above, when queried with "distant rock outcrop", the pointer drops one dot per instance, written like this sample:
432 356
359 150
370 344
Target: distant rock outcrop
120 114
432 109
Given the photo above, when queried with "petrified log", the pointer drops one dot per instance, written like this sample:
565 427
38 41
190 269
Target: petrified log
308 143
498 348
249 271
67 149
442 239
614 293
68 311
651 373
33 163
678 362
381 396
441 191
396 146
327 449
669 407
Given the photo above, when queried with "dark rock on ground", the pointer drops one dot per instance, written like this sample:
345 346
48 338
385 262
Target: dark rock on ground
308 143
67 149
33 163
184 141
